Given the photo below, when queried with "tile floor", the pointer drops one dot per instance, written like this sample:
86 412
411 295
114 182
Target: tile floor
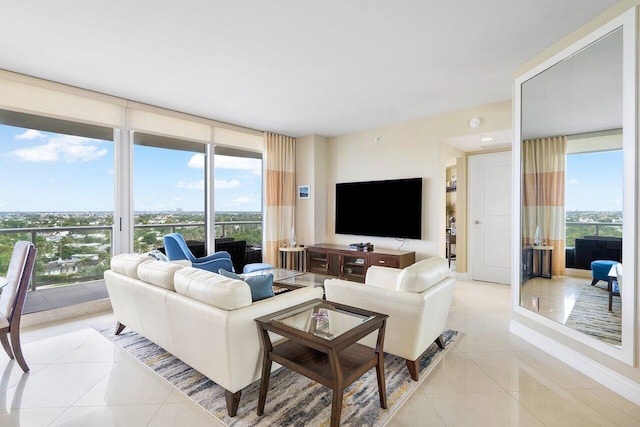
490 378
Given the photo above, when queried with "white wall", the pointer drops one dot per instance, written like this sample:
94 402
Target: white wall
405 150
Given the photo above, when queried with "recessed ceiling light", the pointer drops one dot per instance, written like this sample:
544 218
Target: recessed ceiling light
485 139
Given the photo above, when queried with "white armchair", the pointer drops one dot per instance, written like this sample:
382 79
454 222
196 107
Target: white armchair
416 298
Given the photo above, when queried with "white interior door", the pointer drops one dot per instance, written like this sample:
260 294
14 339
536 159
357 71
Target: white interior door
490 217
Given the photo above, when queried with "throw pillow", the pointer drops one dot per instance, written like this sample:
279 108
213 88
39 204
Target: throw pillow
157 255
261 285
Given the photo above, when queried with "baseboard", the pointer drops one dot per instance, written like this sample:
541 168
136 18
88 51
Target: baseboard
609 378
575 272
64 313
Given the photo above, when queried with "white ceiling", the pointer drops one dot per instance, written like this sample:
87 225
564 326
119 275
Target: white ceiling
580 94
295 67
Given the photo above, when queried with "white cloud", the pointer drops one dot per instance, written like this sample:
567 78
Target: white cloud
67 148
574 181
223 184
31 134
196 161
192 185
242 201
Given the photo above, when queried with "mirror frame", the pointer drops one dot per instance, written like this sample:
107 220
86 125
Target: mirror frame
627 351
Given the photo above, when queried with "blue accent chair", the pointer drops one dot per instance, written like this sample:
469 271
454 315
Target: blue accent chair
176 248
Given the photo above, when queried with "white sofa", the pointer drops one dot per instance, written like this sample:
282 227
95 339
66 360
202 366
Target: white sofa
202 318
417 300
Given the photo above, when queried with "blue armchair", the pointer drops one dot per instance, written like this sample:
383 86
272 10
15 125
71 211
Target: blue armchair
176 248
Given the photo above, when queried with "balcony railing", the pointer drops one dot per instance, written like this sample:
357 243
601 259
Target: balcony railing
77 254
610 229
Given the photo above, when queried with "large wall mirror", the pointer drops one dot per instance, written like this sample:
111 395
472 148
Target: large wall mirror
576 126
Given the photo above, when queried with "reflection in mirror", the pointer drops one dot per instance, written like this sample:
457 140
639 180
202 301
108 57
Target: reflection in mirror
572 179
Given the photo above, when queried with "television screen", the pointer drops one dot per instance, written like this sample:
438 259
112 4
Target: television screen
391 208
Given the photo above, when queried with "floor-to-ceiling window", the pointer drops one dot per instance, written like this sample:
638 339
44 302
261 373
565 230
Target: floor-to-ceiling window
593 204
168 190
238 195
57 191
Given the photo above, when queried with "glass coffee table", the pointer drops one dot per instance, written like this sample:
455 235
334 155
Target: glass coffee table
292 279
303 280
322 345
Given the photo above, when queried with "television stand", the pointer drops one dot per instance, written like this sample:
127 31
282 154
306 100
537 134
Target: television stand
345 263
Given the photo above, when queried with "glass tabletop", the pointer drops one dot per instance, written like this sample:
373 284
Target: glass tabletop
278 273
305 279
321 319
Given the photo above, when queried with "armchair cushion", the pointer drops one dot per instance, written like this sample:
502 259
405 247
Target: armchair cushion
261 286
214 264
216 255
422 275
213 289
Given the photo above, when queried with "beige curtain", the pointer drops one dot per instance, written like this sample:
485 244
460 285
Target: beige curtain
543 187
280 184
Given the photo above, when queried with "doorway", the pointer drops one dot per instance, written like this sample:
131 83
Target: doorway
490 202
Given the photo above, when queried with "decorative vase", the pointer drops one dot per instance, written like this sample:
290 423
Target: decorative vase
536 236
293 240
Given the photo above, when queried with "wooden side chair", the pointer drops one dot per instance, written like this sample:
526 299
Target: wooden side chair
12 298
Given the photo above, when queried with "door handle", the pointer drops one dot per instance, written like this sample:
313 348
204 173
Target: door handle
477 222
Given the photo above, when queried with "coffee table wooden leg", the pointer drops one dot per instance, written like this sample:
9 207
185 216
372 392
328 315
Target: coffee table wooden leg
266 371
338 389
382 389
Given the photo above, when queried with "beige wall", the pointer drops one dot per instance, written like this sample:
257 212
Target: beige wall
405 150
311 167
632 373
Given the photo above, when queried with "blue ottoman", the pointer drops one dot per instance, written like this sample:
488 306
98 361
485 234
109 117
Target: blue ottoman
257 266
600 270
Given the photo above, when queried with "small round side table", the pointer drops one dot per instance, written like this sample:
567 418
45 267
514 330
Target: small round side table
292 258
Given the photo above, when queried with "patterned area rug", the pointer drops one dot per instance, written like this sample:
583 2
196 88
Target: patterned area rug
292 399
591 314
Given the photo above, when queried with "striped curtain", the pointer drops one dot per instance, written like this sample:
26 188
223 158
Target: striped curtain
543 186
280 191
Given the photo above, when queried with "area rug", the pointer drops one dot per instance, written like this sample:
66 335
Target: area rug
591 314
292 399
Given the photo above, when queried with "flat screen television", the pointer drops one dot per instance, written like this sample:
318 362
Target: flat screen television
390 208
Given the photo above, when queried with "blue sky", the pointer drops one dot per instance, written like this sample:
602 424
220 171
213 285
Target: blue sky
42 171
594 181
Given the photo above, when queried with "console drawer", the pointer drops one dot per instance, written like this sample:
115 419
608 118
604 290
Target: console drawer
384 260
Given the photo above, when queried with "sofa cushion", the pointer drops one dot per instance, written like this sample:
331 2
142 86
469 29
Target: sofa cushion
159 273
423 274
211 288
261 285
128 264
